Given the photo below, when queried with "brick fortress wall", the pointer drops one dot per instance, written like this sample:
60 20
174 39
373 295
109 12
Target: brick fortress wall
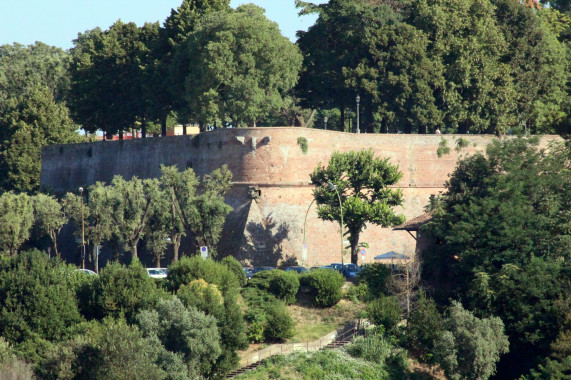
268 230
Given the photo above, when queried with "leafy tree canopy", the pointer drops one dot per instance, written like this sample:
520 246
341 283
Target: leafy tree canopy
237 67
361 185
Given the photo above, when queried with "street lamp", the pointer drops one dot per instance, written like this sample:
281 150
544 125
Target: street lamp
358 100
82 229
325 122
334 187
304 250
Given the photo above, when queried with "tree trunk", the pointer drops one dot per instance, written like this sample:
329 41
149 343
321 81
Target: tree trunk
164 126
134 249
354 241
121 135
175 246
342 119
158 256
53 236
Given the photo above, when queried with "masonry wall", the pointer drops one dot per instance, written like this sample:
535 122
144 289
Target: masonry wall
268 230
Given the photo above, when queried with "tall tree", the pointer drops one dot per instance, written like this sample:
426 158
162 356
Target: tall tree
108 75
504 233
165 78
16 220
49 217
538 65
33 81
91 216
132 204
361 193
238 67
180 189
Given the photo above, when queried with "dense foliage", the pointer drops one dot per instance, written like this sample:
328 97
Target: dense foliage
503 226
354 190
324 286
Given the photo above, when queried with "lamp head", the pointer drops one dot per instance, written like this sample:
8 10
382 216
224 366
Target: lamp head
331 186
81 189
325 119
358 99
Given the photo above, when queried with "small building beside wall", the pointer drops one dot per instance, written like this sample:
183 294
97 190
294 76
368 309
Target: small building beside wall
423 241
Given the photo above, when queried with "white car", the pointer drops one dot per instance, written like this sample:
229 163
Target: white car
86 271
157 272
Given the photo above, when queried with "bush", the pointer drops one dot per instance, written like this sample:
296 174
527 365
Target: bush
203 296
379 349
188 269
375 276
285 286
424 326
188 332
236 268
357 293
470 347
279 325
120 290
10 366
385 311
35 298
262 280
325 287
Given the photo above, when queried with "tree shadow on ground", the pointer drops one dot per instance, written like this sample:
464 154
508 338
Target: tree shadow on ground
264 243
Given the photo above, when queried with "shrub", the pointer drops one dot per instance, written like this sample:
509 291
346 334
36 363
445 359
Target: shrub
10 366
124 290
470 347
357 293
279 325
375 276
235 267
188 332
188 269
203 296
285 286
379 349
385 311
262 280
424 325
35 298
325 287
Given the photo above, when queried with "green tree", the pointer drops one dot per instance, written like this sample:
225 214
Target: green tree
49 217
238 67
108 76
386 312
504 234
36 301
180 189
91 216
123 291
211 211
424 325
186 331
469 348
464 37
538 65
132 204
361 184
16 221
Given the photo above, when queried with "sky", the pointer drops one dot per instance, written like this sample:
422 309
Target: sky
58 22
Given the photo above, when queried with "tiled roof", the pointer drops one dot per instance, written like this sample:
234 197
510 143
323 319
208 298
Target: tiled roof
416 223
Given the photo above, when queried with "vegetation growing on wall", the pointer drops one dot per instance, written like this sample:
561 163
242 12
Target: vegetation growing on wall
303 144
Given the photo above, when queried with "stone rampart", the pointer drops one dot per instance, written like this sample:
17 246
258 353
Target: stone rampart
269 229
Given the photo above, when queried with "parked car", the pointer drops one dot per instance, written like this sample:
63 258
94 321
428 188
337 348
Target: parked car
86 271
259 269
249 272
350 270
337 266
157 272
299 270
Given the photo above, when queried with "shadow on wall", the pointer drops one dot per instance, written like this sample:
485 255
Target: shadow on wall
264 243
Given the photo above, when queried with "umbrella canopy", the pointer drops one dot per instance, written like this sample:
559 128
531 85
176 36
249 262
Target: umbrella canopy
392 258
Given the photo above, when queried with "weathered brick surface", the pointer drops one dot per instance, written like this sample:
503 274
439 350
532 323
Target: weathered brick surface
268 230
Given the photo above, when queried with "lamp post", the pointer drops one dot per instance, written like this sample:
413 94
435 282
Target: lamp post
334 187
82 230
304 250
358 100
325 122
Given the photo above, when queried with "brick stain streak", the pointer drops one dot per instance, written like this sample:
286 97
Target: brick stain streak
268 230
